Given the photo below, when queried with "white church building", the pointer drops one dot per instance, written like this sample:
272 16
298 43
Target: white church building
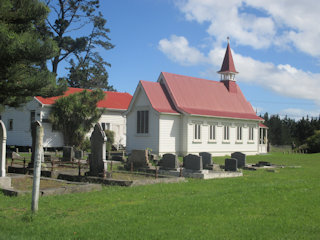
181 115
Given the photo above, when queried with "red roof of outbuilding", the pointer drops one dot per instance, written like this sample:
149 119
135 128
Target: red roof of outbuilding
228 65
198 96
112 100
158 97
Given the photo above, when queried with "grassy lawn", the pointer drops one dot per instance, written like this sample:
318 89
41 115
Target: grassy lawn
261 205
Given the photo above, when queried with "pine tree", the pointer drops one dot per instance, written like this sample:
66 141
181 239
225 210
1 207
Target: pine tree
24 52
86 67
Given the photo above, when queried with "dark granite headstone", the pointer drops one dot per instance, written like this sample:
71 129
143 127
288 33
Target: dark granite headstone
241 159
97 159
169 161
68 154
206 159
230 164
78 154
192 162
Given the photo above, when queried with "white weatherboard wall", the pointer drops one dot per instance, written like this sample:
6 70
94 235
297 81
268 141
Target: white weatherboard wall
142 141
169 133
117 124
219 146
20 134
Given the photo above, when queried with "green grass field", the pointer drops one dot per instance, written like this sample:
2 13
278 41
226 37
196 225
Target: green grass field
261 205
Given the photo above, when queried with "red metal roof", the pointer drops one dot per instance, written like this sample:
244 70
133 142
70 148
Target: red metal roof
198 96
112 100
158 97
228 65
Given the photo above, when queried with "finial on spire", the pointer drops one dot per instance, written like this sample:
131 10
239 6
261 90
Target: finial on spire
228 39
228 71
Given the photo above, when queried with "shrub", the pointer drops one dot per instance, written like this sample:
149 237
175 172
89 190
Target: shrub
110 139
313 142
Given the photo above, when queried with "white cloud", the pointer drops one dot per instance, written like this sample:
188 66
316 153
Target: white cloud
178 50
259 24
282 79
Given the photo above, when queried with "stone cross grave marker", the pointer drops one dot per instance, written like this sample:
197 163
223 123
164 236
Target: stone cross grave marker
192 162
230 164
98 162
169 161
3 140
206 159
241 157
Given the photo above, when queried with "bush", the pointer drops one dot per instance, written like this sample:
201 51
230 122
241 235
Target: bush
313 142
86 145
110 139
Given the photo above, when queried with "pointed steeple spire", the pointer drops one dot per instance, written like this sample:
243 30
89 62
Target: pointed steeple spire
228 71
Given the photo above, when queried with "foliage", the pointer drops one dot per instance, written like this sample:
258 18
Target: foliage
259 205
24 52
75 115
87 68
110 139
287 131
313 142
86 145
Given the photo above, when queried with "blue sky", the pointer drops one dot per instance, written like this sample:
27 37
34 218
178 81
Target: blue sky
275 46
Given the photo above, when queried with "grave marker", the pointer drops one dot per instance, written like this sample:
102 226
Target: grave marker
206 159
68 154
169 161
241 157
193 162
98 163
138 159
230 164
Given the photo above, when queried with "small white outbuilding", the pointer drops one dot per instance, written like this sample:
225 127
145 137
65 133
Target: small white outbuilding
18 120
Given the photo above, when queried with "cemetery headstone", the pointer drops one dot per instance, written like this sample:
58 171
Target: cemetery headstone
68 154
192 162
3 140
139 159
241 157
98 163
78 154
206 159
169 161
230 164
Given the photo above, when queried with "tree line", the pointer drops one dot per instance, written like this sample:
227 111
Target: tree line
297 133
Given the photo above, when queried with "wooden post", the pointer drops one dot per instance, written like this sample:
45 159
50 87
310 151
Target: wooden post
52 165
3 141
156 172
79 166
37 166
